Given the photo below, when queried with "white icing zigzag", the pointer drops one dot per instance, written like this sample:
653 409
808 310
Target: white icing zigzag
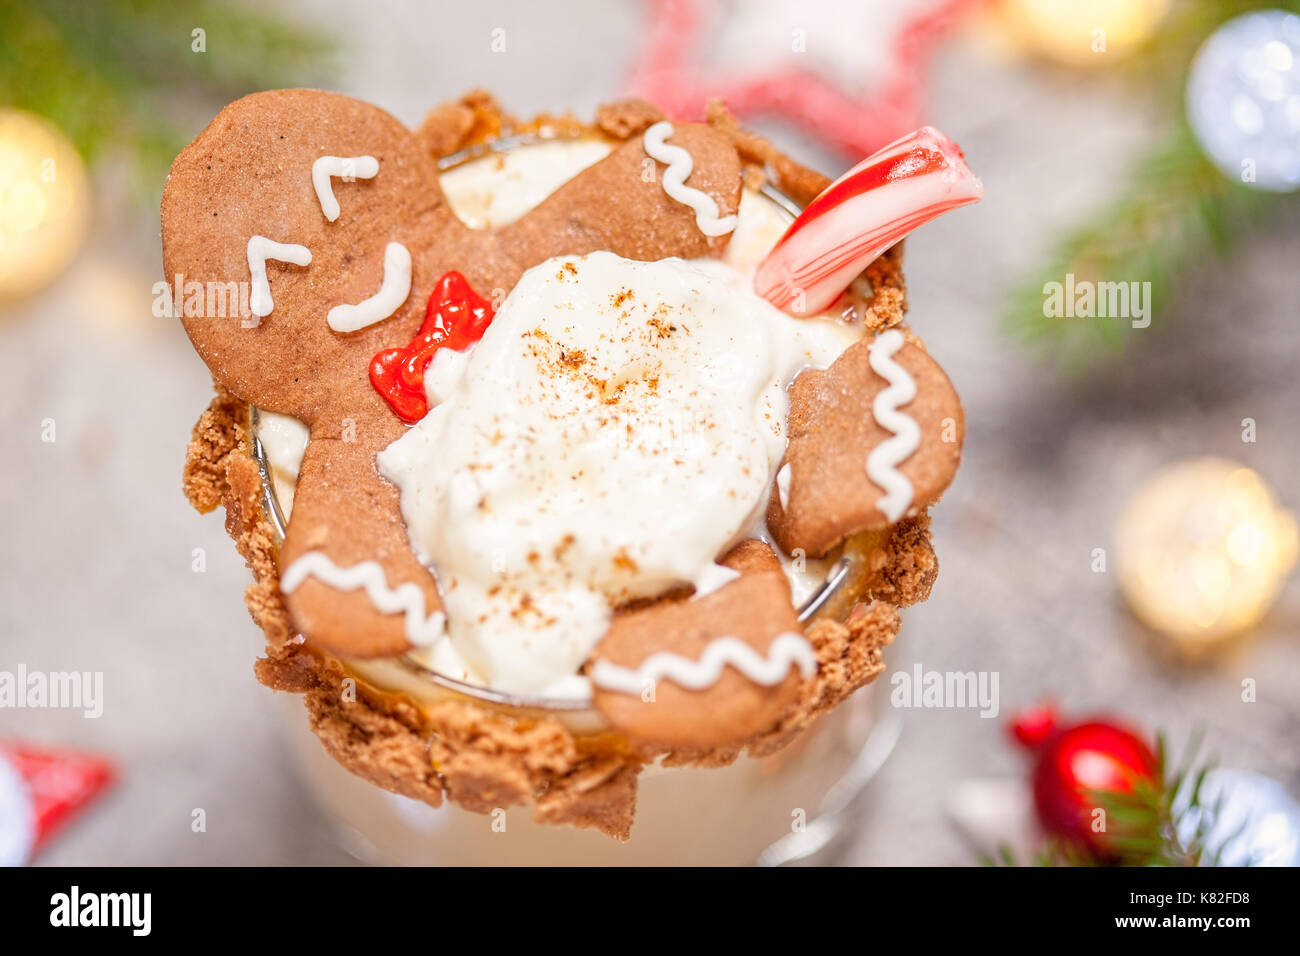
260 249
785 651
348 167
407 598
680 164
392 293
884 459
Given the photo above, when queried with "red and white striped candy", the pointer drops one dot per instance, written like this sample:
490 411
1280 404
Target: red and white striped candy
860 215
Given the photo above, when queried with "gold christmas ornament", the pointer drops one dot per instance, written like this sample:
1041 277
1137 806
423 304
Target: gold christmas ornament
1082 32
44 203
1202 550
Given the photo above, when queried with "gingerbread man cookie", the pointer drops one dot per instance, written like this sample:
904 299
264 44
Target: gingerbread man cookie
359 272
340 271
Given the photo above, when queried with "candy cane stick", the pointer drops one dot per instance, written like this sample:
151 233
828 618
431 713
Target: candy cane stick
860 215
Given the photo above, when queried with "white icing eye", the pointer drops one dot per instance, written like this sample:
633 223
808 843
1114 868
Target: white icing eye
346 168
392 293
260 249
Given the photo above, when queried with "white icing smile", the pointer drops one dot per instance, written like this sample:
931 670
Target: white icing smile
392 293
613 433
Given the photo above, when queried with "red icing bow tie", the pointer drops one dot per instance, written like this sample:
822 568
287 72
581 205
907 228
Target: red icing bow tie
456 318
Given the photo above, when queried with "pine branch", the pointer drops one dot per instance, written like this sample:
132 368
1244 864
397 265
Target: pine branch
110 74
1176 211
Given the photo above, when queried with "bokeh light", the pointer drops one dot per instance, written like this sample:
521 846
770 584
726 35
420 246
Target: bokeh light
44 203
1202 550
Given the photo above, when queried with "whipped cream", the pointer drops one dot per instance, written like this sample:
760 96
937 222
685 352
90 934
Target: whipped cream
498 189
614 432
284 442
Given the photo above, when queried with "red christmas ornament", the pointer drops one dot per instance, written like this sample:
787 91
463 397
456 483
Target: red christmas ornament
1075 767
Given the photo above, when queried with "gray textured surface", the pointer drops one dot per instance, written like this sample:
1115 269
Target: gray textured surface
96 551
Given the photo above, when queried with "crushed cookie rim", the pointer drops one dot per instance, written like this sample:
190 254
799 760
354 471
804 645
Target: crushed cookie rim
825 594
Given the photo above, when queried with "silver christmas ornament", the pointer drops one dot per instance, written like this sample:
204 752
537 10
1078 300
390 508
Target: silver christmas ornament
1243 99
1244 819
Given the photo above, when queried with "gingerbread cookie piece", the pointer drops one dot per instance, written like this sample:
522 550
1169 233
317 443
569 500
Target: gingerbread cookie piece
713 671
872 439
331 211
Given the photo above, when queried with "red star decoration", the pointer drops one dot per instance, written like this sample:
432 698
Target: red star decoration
857 122
58 784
